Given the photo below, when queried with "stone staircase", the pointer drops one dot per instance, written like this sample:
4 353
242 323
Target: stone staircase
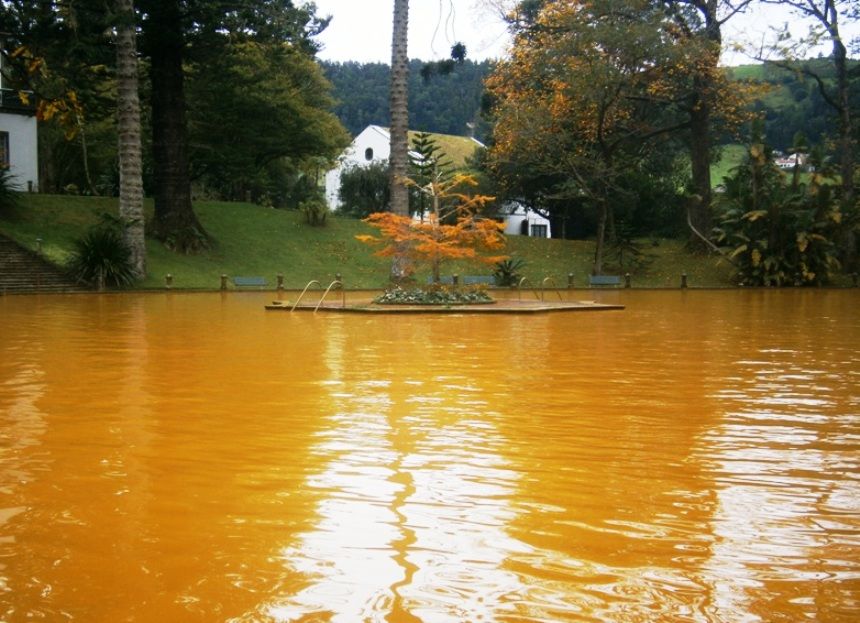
24 271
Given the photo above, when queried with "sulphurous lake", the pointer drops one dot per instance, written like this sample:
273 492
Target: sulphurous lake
193 457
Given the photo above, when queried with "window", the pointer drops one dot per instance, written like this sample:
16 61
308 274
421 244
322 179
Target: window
368 154
4 150
538 231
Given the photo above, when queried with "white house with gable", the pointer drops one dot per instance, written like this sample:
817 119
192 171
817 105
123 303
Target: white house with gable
372 145
18 139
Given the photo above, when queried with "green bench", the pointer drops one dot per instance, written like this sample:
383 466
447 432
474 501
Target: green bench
604 280
249 282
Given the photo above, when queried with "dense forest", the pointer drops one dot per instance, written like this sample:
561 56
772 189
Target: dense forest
793 102
443 103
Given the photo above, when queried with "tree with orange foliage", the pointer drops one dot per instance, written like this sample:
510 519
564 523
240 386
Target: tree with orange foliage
593 90
453 229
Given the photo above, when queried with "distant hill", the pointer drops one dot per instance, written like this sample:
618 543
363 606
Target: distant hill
445 104
794 102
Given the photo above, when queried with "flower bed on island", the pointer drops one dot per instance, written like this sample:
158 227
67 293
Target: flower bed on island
434 296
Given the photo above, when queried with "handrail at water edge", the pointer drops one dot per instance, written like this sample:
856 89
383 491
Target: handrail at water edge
298 300
333 284
552 281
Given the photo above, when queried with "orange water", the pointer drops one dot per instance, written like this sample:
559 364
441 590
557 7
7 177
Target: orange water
175 457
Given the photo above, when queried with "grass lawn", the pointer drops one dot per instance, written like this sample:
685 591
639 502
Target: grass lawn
730 157
253 241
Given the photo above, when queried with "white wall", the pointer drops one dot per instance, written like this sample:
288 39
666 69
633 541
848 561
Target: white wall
23 149
515 215
372 138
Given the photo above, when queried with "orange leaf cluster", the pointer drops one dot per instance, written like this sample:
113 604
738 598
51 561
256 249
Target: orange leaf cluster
456 233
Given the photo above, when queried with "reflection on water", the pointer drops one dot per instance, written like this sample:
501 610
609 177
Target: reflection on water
692 458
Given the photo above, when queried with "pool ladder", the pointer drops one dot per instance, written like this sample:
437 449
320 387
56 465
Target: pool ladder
333 285
542 295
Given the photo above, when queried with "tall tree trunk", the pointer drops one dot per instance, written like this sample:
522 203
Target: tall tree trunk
700 160
399 127
700 124
175 222
846 130
600 244
848 240
128 124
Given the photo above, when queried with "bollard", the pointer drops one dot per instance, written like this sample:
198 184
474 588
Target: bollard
626 280
683 280
339 278
569 280
223 282
455 280
168 281
280 281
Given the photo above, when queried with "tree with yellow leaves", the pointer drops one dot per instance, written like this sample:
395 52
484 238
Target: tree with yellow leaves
452 230
592 90
572 103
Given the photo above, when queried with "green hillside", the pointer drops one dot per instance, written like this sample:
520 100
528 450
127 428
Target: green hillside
251 240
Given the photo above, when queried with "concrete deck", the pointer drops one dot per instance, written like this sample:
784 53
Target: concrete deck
497 307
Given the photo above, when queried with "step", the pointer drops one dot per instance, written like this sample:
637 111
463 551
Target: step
23 271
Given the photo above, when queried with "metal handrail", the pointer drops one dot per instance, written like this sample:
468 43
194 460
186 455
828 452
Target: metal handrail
310 283
552 281
333 284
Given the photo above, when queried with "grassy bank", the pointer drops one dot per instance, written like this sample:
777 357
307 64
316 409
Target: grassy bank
250 240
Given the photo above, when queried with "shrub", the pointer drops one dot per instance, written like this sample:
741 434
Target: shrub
365 189
507 272
776 233
102 258
315 210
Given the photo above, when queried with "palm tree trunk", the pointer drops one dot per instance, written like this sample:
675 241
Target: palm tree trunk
399 157
129 152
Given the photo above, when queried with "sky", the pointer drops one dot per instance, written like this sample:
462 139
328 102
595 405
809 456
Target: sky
360 30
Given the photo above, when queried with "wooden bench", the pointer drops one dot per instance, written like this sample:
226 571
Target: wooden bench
249 282
604 280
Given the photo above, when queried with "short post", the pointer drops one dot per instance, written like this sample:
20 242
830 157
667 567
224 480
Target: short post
683 280
280 281
339 278
569 280
168 281
455 280
223 282
38 245
626 280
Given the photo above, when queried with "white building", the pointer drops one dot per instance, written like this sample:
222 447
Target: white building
372 145
789 162
18 138
521 221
